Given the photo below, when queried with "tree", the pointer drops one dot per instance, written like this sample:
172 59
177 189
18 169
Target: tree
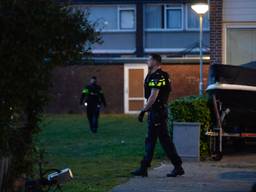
35 36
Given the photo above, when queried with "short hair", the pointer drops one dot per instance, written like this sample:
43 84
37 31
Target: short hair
94 77
156 57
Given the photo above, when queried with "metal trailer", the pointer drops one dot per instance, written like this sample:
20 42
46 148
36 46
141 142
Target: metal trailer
232 97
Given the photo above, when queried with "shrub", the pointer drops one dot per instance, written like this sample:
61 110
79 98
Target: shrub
193 109
35 37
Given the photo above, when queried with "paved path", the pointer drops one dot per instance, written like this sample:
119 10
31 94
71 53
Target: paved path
232 174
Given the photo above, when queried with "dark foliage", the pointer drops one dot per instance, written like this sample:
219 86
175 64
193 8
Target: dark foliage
35 36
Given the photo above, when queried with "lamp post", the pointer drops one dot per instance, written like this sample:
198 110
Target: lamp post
200 9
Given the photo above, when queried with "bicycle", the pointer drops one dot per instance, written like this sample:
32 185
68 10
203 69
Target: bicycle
49 180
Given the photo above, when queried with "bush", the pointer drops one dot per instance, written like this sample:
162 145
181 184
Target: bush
35 37
193 109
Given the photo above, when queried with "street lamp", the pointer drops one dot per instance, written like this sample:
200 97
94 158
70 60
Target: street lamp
200 9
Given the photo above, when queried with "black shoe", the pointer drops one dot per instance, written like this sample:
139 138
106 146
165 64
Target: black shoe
140 172
176 172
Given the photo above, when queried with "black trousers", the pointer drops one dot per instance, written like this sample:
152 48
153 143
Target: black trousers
157 128
93 113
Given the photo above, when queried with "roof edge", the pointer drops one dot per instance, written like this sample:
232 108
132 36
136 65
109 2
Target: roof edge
139 60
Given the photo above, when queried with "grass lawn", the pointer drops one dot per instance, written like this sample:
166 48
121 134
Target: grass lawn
98 161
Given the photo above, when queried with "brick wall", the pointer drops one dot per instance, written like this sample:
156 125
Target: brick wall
185 79
68 82
216 31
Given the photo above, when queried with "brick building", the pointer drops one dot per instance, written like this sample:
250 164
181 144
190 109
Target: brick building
233 31
131 30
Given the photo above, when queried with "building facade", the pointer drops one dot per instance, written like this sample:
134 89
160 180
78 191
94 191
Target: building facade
139 27
131 30
233 31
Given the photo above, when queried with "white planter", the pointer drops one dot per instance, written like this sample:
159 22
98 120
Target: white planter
186 137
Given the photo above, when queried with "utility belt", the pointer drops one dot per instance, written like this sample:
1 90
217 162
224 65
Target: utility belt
158 114
158 106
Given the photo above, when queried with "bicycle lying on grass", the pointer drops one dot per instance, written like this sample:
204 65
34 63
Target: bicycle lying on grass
50 180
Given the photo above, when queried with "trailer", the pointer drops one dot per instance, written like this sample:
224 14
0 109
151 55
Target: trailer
232 97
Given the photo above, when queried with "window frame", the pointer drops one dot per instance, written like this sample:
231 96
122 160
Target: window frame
195 29
225 28
102 30
165 29
118 8
166 8
128 8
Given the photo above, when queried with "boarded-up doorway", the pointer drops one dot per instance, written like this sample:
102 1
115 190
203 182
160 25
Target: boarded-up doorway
134 75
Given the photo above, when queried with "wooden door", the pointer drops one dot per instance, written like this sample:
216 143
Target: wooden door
134 87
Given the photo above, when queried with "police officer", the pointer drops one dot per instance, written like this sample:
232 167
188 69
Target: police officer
157 89
92 97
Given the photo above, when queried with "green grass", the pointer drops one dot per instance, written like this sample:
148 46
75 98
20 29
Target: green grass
98 161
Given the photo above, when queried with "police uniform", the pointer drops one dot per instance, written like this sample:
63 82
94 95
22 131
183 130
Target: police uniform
93 96
157 119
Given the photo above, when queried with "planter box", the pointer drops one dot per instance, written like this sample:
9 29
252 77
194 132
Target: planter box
186 137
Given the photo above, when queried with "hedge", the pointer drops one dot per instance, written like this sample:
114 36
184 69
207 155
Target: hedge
192 109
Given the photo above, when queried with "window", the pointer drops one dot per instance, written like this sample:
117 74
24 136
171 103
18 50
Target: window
241 45
193 20
104 16
127 18
113 18
153 16
173 17
164 17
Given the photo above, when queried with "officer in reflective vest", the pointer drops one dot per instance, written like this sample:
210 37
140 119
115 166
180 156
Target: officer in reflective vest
157 89
92 97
